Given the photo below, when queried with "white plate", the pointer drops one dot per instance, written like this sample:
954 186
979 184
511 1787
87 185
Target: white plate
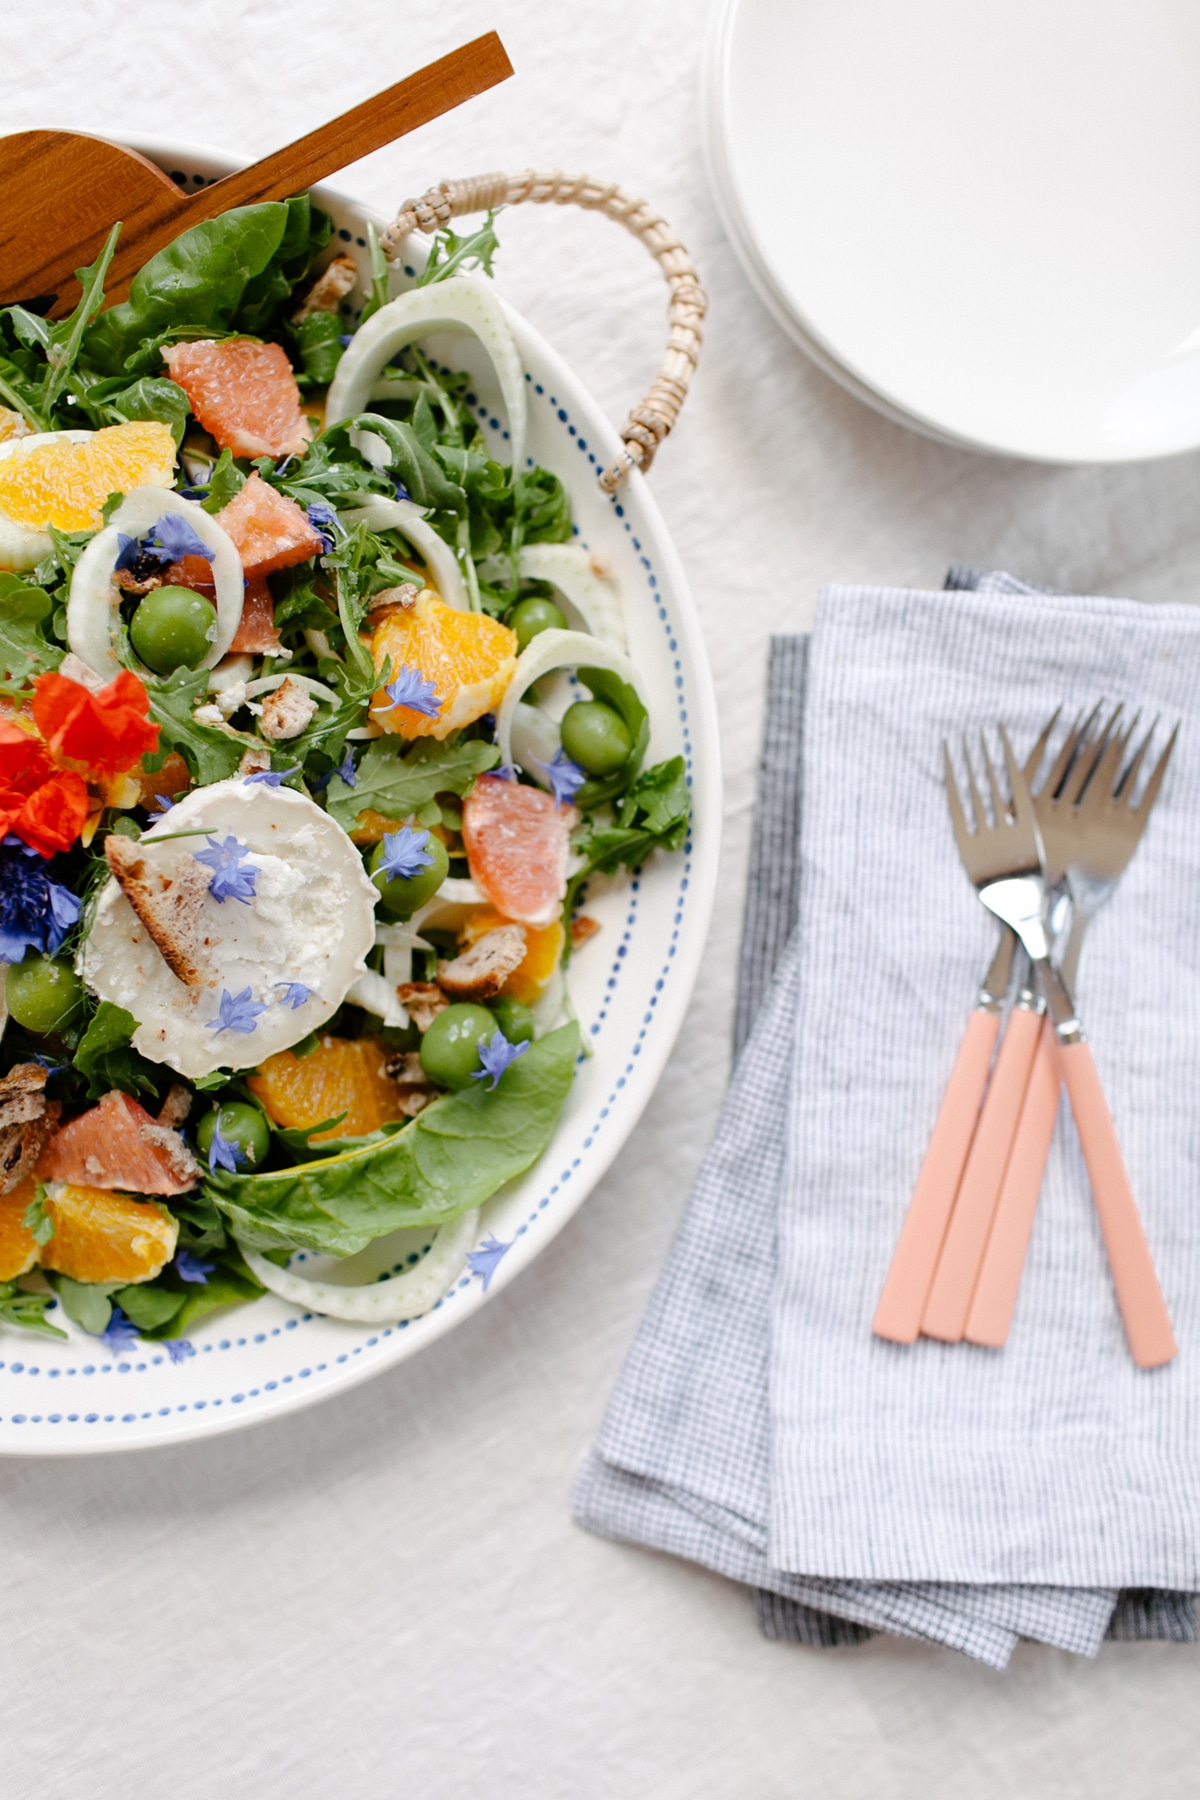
631 986
980 218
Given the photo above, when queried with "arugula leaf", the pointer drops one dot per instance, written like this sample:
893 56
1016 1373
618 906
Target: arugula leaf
426 482
88 1303
64 340
451 1157
36 1219
25 650
106 1057
654 815
201 1227
450 254
191 289
225 481
210 753
28 1311
397 781
379 277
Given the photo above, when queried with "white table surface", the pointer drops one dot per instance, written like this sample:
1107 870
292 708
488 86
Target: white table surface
385 1595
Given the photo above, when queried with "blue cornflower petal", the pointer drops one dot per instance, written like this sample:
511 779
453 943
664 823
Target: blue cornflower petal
35 912
128 551
402 492
321 516
345 339
295 993
405 853
173 538
179 1349
190 1268
410 688
565 777
230 880
237 1012
496 1054
346 770
272 777
223 1152
120 1334
505 772
162 804
486 1260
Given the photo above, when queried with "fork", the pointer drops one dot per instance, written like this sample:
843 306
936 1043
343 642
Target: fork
1004 861
915 1258
1089 832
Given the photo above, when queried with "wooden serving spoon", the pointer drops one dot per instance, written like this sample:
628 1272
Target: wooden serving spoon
61 192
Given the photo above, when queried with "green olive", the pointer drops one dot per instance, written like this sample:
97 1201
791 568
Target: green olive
400 896
173 628
596 737
528 617
450 1048
42 993
239 1124
514 1019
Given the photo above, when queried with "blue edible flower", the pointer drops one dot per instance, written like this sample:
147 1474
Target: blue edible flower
345 339
162 804
346 770
486 1260
272 777
35 912
496 1054
405 853
230 881
565 777
410 688
321 516
224 1152
190 1268
402 492
294 993
179 1349
170 540
120 1334
237 1012
505 772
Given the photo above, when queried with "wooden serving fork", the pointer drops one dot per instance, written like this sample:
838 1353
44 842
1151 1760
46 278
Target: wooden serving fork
61 192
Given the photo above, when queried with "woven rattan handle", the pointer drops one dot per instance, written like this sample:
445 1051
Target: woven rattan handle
649 422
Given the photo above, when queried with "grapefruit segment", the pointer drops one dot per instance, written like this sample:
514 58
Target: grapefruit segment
256 631
242 392
269 531
516 840
102 1236
342 1075
116 1144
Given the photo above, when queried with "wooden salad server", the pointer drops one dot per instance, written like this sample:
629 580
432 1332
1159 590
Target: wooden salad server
61 192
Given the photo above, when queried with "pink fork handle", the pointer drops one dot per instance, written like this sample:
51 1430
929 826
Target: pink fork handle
991 1314
949 1300
1139 1296
898 1315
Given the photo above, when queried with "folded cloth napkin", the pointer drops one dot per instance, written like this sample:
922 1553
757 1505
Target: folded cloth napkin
682 1463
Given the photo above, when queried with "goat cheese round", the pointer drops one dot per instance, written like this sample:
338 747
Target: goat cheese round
236 940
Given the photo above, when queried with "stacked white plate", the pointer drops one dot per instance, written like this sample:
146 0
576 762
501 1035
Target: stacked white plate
984 219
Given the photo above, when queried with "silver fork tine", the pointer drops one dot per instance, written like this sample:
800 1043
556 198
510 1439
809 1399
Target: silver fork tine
1156 776
1107 770
1033 760
1127 781
981 818
962 833
1087 766
1022 810
999 807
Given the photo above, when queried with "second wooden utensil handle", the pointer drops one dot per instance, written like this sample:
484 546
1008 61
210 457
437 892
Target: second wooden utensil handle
1143 1309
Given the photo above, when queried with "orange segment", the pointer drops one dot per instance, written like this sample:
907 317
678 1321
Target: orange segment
18 1246
340 1075
517 840
244 393
468 657
543 952
102 1236
12 425
49 480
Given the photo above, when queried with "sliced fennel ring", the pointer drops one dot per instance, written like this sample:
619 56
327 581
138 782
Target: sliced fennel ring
551 650
404 1296
92 607
463 301
570 568
406 517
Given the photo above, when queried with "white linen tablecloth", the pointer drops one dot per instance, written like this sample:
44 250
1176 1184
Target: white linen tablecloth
386 1594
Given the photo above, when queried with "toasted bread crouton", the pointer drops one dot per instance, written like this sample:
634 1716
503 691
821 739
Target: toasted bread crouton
582 928
169 906
254 760
480 972
416 1089
328 290
26 1121
177 1105
423 1001
286 711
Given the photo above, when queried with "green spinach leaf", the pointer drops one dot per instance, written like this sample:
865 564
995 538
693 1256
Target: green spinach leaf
25 650
453 1156
106 1057
397 781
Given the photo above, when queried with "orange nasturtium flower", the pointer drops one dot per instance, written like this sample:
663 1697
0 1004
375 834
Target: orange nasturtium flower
44 779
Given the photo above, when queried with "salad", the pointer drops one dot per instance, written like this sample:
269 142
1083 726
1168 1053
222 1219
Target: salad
315 722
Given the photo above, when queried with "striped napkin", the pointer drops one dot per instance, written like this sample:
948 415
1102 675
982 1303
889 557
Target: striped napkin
715 1445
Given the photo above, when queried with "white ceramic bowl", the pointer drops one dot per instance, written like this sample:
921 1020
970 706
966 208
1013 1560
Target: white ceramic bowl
630 984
